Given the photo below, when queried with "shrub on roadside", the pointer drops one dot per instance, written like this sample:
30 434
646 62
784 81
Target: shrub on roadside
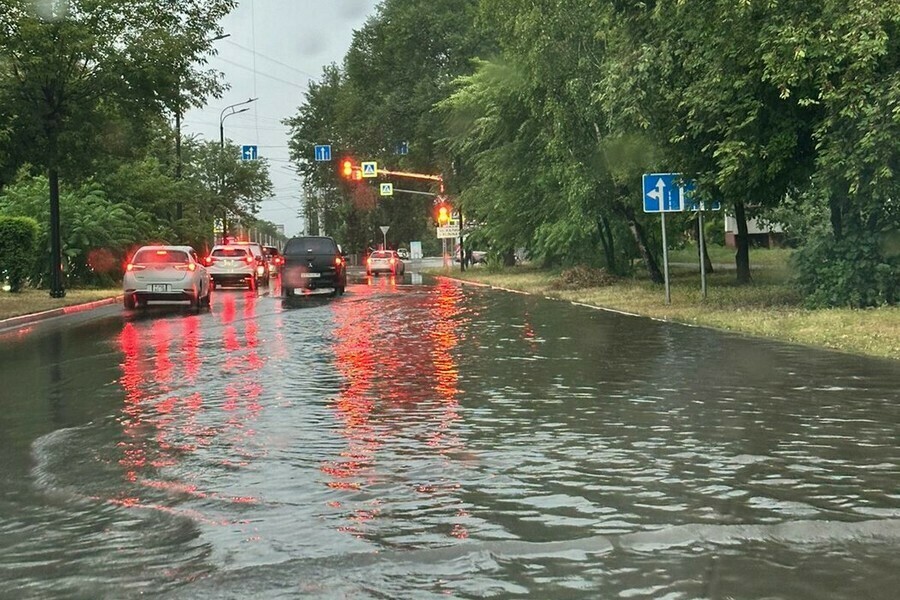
848 272
18 240
580 277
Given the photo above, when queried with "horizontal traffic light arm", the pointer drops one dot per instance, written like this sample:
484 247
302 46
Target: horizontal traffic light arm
411 175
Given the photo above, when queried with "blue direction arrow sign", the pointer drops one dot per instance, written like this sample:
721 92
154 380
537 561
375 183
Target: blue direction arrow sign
665 192
323 152
694 205
249 152
402 148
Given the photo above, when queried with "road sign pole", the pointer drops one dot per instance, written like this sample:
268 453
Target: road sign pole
665 257
702 254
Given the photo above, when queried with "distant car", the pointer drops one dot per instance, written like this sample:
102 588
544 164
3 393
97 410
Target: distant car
274 258
403 253
478 256
235 265
385 261
313 264
166 274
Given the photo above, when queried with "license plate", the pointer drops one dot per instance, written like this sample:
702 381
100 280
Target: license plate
159 287
310 274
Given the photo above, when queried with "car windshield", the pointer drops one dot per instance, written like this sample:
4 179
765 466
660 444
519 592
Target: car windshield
310 245
160 256
230 252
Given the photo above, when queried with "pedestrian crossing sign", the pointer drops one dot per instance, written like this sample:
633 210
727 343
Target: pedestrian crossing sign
387 189
370 169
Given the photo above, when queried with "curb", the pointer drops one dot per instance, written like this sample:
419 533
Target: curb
56 312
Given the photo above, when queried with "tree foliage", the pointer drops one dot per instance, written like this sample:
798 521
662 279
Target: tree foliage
18 237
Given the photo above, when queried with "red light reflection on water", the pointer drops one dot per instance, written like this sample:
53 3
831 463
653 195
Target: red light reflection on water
162 417
393 356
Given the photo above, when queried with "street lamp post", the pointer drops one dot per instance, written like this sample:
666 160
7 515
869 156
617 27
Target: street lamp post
222 116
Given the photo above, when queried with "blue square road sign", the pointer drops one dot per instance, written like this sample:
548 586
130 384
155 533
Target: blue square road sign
323 152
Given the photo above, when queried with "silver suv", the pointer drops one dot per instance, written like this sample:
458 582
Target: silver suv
236 264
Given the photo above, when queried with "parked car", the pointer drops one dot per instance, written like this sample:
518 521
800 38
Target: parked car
235 265
478 256
274 258
385 261
313 264
166 274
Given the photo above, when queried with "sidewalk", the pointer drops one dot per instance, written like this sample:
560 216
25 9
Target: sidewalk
68 305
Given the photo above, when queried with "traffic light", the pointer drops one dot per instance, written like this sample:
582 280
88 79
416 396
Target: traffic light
347 168
442 214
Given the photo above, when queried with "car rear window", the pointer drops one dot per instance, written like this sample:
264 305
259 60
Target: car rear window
230 252
160 257
381 254
311 246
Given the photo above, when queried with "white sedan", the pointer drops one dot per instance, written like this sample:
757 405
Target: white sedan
385 261
166 274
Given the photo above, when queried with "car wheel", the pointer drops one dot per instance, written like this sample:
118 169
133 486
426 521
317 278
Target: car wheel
129 301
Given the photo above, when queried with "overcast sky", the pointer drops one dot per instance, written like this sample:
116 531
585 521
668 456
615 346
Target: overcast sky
274 49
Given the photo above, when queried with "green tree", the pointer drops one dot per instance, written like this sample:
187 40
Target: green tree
69 70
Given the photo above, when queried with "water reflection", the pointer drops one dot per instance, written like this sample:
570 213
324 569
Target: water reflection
398 401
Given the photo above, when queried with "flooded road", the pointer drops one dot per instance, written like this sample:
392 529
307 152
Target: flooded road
435 441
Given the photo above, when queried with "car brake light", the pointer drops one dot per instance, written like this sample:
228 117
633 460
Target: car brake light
369 261
249 259
161 252
186 267
134 267
338 261
208 260
392 262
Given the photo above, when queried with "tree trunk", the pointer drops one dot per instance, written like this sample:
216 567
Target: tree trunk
509 258
606 238
640 239
742 257
57 290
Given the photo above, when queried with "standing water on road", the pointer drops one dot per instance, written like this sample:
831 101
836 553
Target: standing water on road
434 441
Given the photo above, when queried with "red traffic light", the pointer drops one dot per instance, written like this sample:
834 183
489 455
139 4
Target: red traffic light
347 168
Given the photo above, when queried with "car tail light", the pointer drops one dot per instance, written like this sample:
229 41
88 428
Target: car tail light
338 261
369 261
186 267
279 260
134 267
249 259
209 260
391 261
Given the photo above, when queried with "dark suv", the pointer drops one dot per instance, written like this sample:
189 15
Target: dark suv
313 264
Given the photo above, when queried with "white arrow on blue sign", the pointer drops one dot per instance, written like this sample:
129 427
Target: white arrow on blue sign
323 152
249 152
666 192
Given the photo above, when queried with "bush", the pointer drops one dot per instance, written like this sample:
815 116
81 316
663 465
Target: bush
849 272
18 240
582 277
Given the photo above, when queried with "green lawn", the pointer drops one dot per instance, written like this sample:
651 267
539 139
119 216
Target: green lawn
33 301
